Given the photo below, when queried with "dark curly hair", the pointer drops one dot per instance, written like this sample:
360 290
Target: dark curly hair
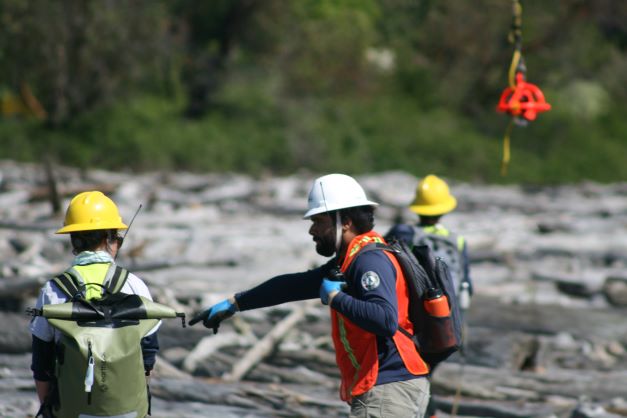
362 217
90 240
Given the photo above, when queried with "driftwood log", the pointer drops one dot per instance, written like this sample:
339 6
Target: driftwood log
20 286
211 344
273 400
488 383
589 323
267 344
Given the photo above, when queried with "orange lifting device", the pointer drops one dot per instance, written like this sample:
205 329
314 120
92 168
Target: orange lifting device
521 100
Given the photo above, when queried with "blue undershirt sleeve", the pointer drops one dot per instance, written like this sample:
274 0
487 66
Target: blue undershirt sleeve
370 298
150 348
284 288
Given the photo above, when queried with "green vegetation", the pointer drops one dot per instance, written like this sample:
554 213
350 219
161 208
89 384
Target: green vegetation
354 86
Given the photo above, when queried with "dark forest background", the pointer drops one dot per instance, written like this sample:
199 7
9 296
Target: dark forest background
278 86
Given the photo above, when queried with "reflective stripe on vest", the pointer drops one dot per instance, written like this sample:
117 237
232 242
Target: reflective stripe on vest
349 351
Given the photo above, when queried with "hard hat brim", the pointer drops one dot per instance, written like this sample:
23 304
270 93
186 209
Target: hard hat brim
90 227
434 210
322 209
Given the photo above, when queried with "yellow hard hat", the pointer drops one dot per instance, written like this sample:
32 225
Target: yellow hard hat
90 211
433 197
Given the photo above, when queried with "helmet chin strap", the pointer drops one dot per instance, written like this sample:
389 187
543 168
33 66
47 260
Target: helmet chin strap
338 232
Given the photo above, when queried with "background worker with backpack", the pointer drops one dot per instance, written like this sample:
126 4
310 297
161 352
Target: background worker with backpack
93 222
382 372
432 201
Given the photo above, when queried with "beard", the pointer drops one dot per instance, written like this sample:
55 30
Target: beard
325 244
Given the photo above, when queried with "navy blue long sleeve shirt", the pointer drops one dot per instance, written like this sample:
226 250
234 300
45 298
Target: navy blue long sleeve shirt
372 308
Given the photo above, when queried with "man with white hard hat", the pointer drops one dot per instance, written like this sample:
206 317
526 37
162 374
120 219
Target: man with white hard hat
382 373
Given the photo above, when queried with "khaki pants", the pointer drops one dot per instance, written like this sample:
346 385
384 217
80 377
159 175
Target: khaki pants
406 399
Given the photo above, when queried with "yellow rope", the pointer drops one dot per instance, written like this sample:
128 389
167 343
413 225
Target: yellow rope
516 38
506 152
511 75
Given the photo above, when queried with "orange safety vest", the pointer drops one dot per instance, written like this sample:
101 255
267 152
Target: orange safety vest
356 349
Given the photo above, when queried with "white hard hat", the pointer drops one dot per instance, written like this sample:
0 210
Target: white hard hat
333 192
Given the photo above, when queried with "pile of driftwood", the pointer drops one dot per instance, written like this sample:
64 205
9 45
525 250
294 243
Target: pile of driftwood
546 335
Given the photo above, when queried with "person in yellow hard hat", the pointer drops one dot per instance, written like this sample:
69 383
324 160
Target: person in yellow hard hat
93 222
433 200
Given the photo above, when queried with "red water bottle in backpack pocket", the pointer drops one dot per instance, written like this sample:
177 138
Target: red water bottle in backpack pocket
436 303
440 322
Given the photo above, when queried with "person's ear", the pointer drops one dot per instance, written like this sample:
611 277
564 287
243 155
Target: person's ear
347 224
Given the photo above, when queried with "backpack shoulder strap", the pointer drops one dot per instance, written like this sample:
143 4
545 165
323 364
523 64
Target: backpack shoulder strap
67 283
375 246
115 279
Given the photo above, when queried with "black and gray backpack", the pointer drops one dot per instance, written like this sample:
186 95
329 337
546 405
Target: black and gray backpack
436 337
445 247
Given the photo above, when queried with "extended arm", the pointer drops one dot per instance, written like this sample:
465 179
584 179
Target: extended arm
279 289
284 288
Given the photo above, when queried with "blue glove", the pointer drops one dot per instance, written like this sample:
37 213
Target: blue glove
328 287
217 313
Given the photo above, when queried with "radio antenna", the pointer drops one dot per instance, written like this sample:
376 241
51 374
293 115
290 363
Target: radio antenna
127 229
